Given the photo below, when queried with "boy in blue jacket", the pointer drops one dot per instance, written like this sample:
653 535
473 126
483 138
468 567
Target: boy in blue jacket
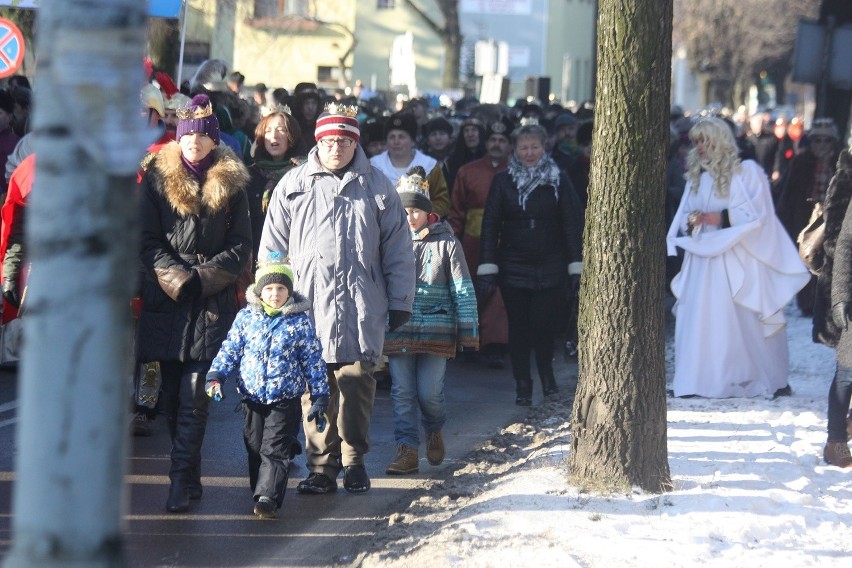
274 351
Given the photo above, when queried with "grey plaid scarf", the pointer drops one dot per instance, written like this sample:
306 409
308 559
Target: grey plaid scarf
526 179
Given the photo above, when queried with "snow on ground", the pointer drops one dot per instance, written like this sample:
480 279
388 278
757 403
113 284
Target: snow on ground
750 490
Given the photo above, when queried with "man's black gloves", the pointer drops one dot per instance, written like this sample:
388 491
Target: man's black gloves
485 286
11 294
397 319
840 315
317 412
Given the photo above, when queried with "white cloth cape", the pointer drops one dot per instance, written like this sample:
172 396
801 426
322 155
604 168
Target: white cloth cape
730 338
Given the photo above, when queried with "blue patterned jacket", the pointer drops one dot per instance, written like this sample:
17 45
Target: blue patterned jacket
274 358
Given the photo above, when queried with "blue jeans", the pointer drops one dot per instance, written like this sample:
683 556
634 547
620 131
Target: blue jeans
417 378
839 395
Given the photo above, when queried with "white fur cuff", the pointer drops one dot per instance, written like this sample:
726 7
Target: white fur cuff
575 268
486 269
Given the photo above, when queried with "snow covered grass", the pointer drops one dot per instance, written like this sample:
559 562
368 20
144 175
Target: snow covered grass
750 489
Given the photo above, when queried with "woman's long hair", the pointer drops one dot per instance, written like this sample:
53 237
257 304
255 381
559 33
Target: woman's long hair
293 134
722 154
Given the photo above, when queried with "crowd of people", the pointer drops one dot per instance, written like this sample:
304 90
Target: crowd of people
295 245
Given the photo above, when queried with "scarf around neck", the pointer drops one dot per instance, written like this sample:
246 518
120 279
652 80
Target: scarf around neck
199 169
526 179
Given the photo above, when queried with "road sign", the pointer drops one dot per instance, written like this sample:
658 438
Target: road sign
11 48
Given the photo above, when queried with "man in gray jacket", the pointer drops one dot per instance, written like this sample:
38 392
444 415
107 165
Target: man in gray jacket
344 229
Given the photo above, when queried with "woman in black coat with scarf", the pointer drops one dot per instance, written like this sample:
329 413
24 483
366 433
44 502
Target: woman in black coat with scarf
276 152
195 241
530 246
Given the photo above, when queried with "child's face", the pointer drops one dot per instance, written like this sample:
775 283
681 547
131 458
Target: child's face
274 295
416 218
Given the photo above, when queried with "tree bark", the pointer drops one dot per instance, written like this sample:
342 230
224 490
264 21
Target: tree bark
451 37
80 237
619 419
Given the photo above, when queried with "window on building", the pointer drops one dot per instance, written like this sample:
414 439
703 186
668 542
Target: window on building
385 4
279 8
196 52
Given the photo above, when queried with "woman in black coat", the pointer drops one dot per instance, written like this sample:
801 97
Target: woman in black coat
276 152
195 241
532 228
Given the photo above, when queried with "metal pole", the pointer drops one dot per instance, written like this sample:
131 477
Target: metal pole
822 100
184 8
81 241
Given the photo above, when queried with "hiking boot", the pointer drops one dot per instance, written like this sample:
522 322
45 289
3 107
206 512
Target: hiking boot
140 426
406 461
265 508
837 453
435 448
317 484
355 479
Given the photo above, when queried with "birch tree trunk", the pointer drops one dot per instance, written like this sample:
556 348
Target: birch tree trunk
619 418
81 242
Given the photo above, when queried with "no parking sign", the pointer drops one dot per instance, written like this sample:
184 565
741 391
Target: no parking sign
11 48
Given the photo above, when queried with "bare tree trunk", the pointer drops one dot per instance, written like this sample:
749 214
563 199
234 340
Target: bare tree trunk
164 44
81 241
619 419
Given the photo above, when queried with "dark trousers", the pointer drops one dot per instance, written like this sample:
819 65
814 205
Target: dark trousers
184 402
532 316
839 396
269 431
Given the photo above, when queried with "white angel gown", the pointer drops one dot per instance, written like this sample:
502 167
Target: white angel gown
730 336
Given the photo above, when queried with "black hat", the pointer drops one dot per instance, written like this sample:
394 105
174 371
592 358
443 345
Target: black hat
413 189
402 121
373 129
439 123
503 127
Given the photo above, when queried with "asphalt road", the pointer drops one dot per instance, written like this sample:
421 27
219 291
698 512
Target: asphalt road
220 530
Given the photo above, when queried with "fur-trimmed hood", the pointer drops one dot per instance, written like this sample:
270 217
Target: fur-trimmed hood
226 177
300 303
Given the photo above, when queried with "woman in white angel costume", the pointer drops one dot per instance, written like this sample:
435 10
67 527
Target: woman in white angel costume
740 269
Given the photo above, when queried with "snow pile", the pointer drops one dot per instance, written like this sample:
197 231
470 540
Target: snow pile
750 490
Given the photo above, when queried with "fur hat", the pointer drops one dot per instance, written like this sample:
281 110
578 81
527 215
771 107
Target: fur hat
274 270
413 189
438 124
502 127
338 120
402 121
823 127
199 118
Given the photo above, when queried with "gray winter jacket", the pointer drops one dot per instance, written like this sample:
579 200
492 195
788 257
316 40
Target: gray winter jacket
350 248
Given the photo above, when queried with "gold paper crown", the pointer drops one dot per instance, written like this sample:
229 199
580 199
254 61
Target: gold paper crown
266 111
187 113
413 183
346 110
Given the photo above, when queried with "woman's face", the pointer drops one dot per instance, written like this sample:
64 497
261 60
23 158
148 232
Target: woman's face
529 150
275 137
399 144
700 144
196 146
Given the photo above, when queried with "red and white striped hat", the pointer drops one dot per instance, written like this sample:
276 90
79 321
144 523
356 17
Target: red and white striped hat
338 120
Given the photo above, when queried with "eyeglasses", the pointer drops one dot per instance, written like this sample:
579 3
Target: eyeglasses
342 142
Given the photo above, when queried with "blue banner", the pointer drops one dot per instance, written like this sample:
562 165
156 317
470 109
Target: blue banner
164 8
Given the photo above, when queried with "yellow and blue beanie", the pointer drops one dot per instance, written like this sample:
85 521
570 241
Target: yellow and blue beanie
275 270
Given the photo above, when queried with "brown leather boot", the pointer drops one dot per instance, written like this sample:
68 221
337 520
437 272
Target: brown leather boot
837 453
406 461
435 448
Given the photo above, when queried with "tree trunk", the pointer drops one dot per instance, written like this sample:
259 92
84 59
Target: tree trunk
619 419
452 41
81 238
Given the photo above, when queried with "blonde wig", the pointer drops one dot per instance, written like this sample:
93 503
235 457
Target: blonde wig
721 154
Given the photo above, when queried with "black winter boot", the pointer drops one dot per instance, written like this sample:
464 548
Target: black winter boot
523 389
191 423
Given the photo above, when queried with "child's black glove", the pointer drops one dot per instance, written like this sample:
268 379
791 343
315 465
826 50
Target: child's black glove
317 412
485 286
